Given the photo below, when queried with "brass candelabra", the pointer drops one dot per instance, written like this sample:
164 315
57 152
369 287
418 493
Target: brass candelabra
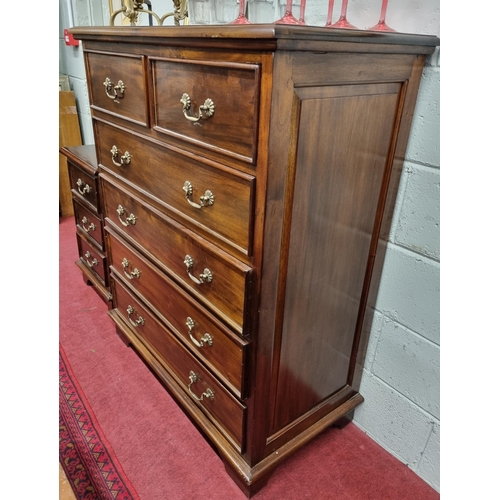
131 9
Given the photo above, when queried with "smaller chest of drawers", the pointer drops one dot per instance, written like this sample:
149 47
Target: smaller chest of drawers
92 261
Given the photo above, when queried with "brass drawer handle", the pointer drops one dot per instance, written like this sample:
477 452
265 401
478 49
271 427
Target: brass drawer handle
207 394
83 188
207 200
139 321
206 276
113 91
206 339
124 160
94 261
91 225
131 219
134 274
207 109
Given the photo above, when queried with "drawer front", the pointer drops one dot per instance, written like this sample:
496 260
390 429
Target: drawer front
83 185
117 84
212 105
89 223
220 349
213 276
226 411
214 198
93 258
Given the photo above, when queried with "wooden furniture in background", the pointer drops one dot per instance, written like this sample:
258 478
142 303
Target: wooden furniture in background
244 173
84 189
69 135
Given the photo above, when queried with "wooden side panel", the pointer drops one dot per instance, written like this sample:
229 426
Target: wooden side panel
336 193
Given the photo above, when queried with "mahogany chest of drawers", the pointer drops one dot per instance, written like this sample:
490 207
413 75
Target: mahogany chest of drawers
247 174
82 169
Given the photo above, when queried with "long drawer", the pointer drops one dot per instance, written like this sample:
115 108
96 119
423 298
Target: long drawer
217 279
226 411
205 193
206 337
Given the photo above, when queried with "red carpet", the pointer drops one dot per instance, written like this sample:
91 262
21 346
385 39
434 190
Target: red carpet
85 455
162 453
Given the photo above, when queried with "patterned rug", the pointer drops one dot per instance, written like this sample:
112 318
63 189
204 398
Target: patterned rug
86 457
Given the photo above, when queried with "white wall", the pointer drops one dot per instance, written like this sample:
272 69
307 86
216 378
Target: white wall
401 374
71 58
90 13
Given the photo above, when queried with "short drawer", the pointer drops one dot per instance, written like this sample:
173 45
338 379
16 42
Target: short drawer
89 223
203 388
217 279
117 85
206 337
214 105
209 195
93 258
83 185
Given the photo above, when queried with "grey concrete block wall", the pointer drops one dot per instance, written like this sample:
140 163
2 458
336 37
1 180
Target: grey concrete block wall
417 229
400 381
